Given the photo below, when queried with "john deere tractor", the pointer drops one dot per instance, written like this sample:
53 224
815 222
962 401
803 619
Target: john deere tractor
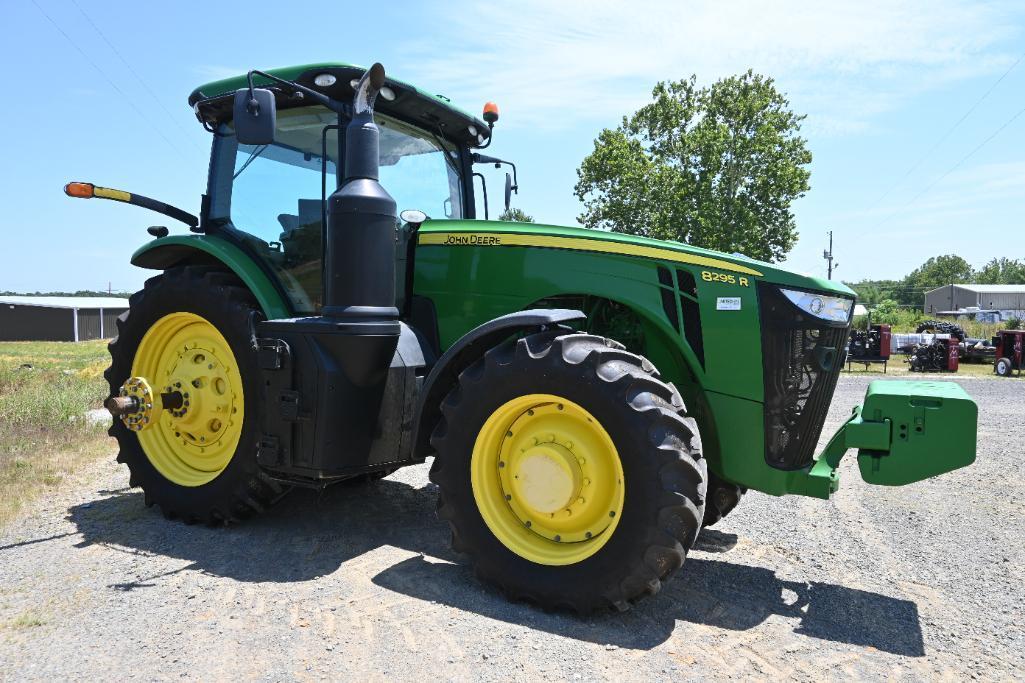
590 400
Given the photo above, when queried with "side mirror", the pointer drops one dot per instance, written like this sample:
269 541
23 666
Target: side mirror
255 114
508 190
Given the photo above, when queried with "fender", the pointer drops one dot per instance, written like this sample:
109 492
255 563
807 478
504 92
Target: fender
168 252
463 353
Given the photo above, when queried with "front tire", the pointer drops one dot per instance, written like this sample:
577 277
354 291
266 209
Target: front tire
1003 367
192 330
569 472
723 498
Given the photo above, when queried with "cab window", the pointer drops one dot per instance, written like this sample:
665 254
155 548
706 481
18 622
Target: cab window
272 193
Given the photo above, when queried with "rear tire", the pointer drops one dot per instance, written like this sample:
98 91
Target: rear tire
656 443
241 488
1003 367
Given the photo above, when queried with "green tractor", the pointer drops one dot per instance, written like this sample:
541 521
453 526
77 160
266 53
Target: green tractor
591 400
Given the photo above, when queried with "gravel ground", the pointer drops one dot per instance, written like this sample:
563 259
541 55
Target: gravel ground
924 581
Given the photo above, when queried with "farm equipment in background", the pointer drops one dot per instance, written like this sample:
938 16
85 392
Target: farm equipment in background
1008 344
869 346
938 355
942 327
590 400
970 350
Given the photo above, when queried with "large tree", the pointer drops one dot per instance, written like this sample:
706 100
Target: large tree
516 215
1001 271
936 272
717 167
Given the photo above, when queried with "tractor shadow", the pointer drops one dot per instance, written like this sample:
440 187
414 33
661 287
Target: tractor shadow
309 535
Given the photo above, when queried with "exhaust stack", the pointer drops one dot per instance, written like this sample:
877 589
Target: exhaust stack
359 254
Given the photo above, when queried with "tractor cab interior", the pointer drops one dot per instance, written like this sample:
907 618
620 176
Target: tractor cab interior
270 197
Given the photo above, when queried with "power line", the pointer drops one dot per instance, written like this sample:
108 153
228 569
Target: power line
110 82
128 65
959 162
950 130
966 156
952 168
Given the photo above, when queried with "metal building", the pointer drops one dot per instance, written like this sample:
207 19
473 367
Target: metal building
1009 299
59 318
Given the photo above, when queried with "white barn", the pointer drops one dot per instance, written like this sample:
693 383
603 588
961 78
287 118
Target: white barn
1009 300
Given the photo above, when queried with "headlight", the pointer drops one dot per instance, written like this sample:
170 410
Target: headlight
832 308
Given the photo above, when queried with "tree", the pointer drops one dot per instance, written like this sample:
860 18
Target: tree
871 292
516 215
1001 271
869 295
886 312
717 167
936 272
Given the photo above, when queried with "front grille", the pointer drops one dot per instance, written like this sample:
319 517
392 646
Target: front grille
801 359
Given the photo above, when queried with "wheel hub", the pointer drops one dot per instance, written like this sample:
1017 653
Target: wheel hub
547 478
200 377
195 421
554 483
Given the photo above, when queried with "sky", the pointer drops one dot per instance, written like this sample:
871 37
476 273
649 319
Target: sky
915 110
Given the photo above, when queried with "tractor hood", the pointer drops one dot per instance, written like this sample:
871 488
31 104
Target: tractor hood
504 233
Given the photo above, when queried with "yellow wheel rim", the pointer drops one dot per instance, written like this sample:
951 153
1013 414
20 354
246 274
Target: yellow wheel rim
547 479
184 352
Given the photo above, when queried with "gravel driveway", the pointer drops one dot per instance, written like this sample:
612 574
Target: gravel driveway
359 584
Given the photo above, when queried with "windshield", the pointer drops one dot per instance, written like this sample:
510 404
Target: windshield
272 193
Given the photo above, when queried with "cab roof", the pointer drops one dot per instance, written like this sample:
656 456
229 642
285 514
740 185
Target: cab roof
213 101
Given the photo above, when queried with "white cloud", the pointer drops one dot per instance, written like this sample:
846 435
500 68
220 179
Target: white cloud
844 62
969 203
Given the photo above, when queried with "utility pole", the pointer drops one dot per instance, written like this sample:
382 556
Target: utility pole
828 255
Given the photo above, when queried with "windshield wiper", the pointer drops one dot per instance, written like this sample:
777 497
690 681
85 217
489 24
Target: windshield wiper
444 153
252 155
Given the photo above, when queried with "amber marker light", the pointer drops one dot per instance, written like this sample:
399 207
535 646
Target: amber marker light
490 112
80 190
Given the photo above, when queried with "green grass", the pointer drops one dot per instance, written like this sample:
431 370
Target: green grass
899 369
25 620
45 390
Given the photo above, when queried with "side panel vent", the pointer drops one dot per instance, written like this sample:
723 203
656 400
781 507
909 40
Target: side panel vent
691 314
665 278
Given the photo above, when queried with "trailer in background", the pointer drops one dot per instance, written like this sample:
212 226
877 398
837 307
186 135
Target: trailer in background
1008 357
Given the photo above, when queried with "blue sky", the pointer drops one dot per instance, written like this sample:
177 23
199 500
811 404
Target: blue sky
882 83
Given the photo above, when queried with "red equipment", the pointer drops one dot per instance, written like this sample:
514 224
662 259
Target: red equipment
884 340
953 348
1008 356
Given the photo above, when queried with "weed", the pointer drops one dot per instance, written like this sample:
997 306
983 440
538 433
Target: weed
45 390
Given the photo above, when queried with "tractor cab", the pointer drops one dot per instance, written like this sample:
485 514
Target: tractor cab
271 197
